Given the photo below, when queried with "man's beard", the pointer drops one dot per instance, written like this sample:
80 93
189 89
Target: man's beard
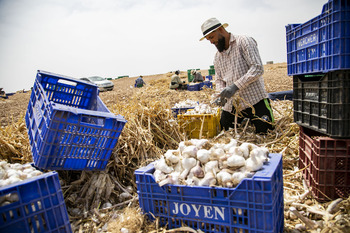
221 44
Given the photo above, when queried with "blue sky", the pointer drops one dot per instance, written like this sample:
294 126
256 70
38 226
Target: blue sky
110 38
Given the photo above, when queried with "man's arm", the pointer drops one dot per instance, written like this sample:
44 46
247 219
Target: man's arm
219 82
251 54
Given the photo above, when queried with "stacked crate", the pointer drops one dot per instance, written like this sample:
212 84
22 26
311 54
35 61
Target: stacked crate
190 77
211 70
318 57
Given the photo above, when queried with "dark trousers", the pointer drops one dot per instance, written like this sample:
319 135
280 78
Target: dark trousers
181 87
262 119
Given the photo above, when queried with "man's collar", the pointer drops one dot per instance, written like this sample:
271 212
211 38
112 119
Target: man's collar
232 39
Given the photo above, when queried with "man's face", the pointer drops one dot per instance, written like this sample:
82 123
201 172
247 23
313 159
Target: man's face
217 39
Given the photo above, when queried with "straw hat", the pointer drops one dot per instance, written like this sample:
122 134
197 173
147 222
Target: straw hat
211 25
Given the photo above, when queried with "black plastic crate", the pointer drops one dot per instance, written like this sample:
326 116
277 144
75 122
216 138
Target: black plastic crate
322 102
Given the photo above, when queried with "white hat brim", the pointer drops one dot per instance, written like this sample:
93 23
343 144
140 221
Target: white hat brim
223 25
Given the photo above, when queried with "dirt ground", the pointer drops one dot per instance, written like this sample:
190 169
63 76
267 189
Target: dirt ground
11 109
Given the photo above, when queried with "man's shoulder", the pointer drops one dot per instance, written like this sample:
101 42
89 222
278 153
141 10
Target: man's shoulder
244 39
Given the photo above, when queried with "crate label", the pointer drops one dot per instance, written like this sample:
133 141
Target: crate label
306 41
37 113
311 94
199 211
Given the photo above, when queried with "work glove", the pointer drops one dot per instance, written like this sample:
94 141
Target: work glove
229 91
220 101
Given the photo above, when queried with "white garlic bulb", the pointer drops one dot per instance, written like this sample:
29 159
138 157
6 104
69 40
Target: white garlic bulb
172 178
159 175
172 156
224 179
211 166
208 180
238 176
182 146
203 156
235 161
190 151
254 162
197 171
232 143
187 164
199 143
246 148
160 164
216 153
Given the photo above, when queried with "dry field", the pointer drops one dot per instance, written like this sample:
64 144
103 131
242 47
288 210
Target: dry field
107 201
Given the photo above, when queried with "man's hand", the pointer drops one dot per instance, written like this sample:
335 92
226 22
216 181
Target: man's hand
229 91
220 101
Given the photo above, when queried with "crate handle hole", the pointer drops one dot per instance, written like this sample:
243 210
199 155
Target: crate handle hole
70 83
93 120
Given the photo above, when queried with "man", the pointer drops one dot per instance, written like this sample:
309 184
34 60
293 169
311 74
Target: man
197 76
176 82
139 82
239 80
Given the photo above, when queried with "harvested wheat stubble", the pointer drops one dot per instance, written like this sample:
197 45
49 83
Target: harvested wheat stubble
101 201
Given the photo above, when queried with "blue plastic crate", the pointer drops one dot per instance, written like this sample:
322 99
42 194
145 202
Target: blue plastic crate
281 95
322 44
206 84
177 111
40 206
69 127
193 87
209 77
255 205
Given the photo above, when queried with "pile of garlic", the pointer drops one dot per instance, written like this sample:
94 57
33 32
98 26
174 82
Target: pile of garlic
202 109
197 162
186 104
13 173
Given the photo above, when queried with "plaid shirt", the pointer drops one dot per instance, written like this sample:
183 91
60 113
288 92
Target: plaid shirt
241 64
